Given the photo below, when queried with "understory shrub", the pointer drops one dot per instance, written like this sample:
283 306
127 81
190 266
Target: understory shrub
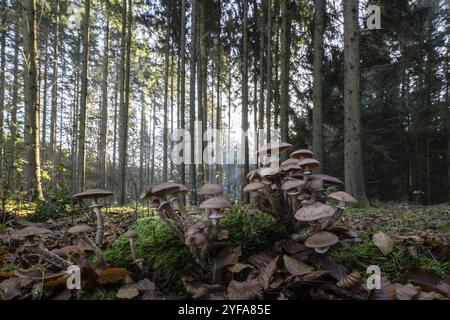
58 199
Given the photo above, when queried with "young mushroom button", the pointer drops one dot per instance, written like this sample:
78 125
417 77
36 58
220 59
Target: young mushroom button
93 195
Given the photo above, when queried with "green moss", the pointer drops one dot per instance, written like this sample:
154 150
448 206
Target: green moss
253 232
394 265
10 267
167 257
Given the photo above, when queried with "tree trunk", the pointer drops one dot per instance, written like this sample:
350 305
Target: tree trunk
44 101
319 15
123 113
261 76
166 97
244 125
53 112
142 143
81 166
104 108
14 107
284 85
354 171
269 70
192 67
32 170
3 30
182 118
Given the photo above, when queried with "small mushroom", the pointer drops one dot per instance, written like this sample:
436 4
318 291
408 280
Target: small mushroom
321 241
314 212
210 190
216 205
342 198
307 165
253 188
253 175
132 235
81 231
93 195
274 147
30 232
302 154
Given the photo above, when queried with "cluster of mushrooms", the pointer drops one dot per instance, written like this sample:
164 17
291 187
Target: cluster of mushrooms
198 231
292 193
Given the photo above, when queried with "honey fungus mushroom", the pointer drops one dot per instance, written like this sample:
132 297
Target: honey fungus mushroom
210 190
321 241
342 198
93 195
274 147
216 205
308 164
301 154
131 235
313 214
253 188
81 230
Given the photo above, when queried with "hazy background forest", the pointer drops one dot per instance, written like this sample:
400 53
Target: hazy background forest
91 90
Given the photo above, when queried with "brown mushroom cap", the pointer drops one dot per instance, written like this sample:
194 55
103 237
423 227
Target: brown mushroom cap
302 153
210 189
321 239
80 228
131 234
29 232
326 178
315 184
290 167
165 188
146 194
215 203
253 186
292 184
253 174
183 188
267 172
315 211
309 163
93 194
272 147
289 161
342 196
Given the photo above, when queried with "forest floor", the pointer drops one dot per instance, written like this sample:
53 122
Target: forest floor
413 256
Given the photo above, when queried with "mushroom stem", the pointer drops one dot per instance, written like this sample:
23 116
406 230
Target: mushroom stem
214 228
94 247
133 249
51 257
100 222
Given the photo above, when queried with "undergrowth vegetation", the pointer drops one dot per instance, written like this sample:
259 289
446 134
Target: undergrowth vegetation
169 259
